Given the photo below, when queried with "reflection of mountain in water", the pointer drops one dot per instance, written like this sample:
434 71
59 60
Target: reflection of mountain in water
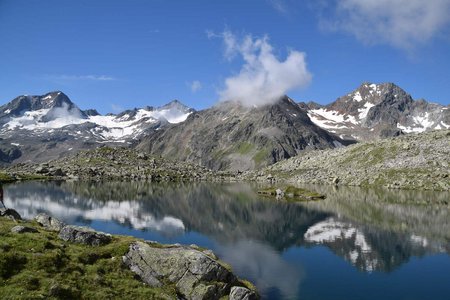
367 228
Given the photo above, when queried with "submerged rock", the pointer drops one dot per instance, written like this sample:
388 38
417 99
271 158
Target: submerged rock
196 275
49 222
84 235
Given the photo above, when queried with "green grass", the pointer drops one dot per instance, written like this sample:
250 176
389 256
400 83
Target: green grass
5 178
41 266
245 148
260 156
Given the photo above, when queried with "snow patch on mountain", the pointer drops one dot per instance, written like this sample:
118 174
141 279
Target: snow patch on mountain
365 110
331 119
110 126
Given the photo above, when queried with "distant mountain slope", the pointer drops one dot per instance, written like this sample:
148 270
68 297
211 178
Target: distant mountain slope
378 110
39 128
231 136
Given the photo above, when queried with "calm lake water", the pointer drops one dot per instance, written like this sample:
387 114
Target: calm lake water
356 244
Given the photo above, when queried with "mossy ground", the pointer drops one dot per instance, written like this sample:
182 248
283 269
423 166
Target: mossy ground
41 266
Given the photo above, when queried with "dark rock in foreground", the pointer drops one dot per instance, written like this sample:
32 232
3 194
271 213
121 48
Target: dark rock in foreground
10 213
84 235
23 229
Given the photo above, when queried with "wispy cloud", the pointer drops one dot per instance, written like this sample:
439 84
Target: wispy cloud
81 77
116 108
195 86
279 5
263 78
403 24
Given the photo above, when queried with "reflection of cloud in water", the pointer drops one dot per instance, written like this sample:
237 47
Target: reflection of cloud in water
263 266
124 212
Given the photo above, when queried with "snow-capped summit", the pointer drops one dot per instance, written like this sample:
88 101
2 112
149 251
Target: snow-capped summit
31 121
378 110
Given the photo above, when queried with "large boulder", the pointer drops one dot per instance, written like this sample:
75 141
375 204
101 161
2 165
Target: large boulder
49 222
84 235
10 213
196 275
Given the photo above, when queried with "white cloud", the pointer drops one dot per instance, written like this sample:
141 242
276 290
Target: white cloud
83 77
263 78
195 86
399 23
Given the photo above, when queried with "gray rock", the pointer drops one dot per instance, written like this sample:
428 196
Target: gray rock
49 222
280 193
10 213
195 274
242 293
22 229
84 235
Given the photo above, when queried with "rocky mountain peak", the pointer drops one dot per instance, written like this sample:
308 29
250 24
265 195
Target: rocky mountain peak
378 110
176 104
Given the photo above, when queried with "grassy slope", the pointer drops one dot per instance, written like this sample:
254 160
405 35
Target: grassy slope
418 161
41 266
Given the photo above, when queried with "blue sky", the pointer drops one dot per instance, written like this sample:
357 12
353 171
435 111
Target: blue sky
111 55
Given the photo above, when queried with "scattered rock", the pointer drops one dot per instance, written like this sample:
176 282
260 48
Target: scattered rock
279 193
195 274
23 229
49 222
10 213
242 293
84 235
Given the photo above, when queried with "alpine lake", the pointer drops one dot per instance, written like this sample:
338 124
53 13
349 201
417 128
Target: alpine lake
355 244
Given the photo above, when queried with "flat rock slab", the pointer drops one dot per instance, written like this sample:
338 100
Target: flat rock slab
195 274
23 229
10 213
49 222
84 235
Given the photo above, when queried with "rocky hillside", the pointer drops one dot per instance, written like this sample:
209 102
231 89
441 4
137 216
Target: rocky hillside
413 161
378 110
40 128
120 164
231 136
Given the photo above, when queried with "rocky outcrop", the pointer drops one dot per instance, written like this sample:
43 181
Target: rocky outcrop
49 222
195 274
84 235
414 161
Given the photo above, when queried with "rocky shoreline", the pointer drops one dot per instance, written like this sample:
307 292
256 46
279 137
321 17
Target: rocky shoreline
114 164
58 250
413 161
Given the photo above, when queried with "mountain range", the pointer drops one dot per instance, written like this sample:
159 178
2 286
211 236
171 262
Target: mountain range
226 136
